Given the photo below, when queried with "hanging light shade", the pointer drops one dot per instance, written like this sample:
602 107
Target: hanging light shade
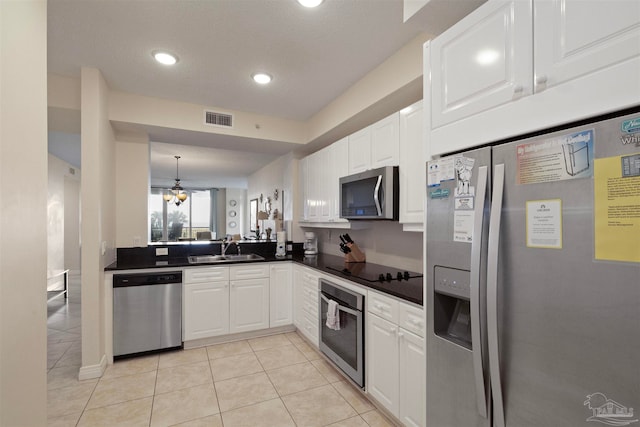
177 194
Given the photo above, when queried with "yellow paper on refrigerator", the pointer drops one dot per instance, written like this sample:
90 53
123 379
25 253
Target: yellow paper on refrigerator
617 208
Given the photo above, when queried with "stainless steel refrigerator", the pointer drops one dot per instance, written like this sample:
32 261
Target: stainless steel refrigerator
533 280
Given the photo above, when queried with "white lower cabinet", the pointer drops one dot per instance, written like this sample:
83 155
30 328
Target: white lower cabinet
206 302
305 285
237 298
396 358
249 305
412 377
206 307
383 362
249 298
280 295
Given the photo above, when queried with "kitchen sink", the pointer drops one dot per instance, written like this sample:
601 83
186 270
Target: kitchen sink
207 259
244 257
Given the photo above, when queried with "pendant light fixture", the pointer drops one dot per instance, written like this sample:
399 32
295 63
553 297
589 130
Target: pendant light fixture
177 194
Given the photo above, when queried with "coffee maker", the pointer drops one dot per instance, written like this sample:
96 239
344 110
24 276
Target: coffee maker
310 243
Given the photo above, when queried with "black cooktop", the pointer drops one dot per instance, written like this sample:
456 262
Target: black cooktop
374 273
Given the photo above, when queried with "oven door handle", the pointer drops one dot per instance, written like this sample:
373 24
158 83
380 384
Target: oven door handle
341 308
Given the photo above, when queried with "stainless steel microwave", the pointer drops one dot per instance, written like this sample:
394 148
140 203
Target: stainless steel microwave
372 194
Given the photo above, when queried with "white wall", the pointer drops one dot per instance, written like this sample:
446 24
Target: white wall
55 220
98 217
239 196
62 220
383 242
72 223
264 182
132 195
23 218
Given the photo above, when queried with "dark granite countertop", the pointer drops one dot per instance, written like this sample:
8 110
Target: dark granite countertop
409 290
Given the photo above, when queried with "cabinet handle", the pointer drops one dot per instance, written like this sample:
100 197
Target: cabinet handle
379 307
540 80
518 89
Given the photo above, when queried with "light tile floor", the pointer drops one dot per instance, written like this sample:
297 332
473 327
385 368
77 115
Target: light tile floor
274 381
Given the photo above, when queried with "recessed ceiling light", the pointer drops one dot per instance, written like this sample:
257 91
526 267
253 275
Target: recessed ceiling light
310 3
262 78
165 58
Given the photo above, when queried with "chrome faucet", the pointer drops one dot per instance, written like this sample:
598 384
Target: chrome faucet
223 248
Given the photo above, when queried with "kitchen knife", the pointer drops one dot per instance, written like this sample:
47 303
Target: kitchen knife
342 240
348 238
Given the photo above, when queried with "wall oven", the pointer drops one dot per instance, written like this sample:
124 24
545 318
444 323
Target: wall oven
343 342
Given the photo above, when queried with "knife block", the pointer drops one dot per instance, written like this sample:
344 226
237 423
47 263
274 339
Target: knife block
356 255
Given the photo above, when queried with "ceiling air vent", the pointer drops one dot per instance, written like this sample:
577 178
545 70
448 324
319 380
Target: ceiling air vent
218 119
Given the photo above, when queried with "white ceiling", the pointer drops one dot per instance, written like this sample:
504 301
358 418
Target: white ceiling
313 54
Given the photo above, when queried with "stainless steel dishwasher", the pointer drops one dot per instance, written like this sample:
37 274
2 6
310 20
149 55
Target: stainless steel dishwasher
147 312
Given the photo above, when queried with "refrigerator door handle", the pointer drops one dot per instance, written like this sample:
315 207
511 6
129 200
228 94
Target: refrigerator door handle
492 295
476 333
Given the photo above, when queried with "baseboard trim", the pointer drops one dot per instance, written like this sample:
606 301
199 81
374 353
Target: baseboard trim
93 371
202 342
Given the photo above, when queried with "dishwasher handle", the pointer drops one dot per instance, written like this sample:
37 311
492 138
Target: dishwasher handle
145 279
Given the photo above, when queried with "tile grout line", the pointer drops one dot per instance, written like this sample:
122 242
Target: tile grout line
153 397
213 383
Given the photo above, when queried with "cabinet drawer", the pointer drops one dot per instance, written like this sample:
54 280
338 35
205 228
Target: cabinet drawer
385 307
253 271
411 318
206 274
311 294
310 280
311 325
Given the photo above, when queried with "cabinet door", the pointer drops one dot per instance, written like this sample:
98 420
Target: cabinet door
280 295
313 183
298 296
360 151
249 305
339 166
385 142
382 362
206 310
303 168
412 379
575 38
324 185
412 164
483 61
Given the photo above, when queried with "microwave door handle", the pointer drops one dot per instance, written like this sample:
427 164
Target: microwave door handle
376 193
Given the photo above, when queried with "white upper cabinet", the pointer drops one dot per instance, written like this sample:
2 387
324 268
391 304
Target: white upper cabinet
412 166
574 38
514 67
339 166
303 173
375 146
322 173
312 186
360 151
482 62
385 142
